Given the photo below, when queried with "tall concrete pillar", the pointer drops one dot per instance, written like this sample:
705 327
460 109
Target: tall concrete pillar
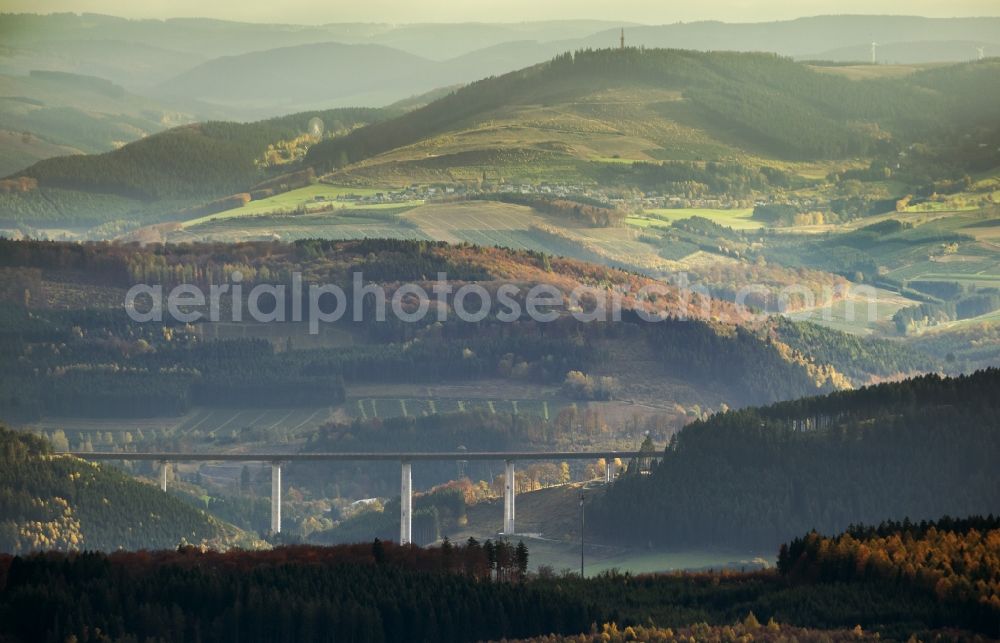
509 491
163 475
276 497
609 467
406 505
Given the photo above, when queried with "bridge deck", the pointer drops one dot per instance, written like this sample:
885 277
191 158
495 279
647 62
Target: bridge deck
354 457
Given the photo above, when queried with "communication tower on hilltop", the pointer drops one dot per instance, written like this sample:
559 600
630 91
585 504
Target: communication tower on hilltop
622 41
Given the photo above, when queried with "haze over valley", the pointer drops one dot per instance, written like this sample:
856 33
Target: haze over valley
540 327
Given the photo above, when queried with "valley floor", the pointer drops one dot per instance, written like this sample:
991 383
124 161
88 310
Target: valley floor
547 520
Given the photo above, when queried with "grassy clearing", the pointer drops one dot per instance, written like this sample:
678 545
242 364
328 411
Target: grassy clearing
975 263
645 222
989 319
316 195
857 315
950 205
346 224
738 219
977 280
942 245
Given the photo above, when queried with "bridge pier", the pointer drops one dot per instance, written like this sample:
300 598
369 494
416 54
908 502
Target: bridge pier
406 488
406 505
509 491
275 497
609 467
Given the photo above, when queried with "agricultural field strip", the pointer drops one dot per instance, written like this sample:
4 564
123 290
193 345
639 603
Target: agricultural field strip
199 423
388 407
214 431
286 202
71 425
332 231
483 238
377 232
494 228
228 416
207 418
175 428
309 419
271 427
446 220
451 230
498 236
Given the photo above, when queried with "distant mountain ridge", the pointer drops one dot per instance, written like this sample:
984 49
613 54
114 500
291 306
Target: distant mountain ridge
306 75
387 67
207 39
249 71
143 53
809 37
335 74
48 111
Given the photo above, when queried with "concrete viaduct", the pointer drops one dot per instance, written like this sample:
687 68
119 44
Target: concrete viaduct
405 459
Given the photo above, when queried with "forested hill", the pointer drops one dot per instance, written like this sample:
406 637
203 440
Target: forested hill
778 106
917 449
55 370
200 161
62 502
732 105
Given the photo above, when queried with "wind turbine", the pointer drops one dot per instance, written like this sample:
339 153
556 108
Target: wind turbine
874 45
979 51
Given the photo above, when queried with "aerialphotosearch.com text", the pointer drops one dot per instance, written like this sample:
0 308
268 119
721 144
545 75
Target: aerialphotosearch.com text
470 302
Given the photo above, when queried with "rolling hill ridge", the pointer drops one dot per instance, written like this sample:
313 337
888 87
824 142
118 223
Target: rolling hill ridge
646 119
782 109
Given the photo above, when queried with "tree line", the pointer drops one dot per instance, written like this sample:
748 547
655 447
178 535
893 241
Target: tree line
380 591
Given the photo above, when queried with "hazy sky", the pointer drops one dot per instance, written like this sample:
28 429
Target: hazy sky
397 11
